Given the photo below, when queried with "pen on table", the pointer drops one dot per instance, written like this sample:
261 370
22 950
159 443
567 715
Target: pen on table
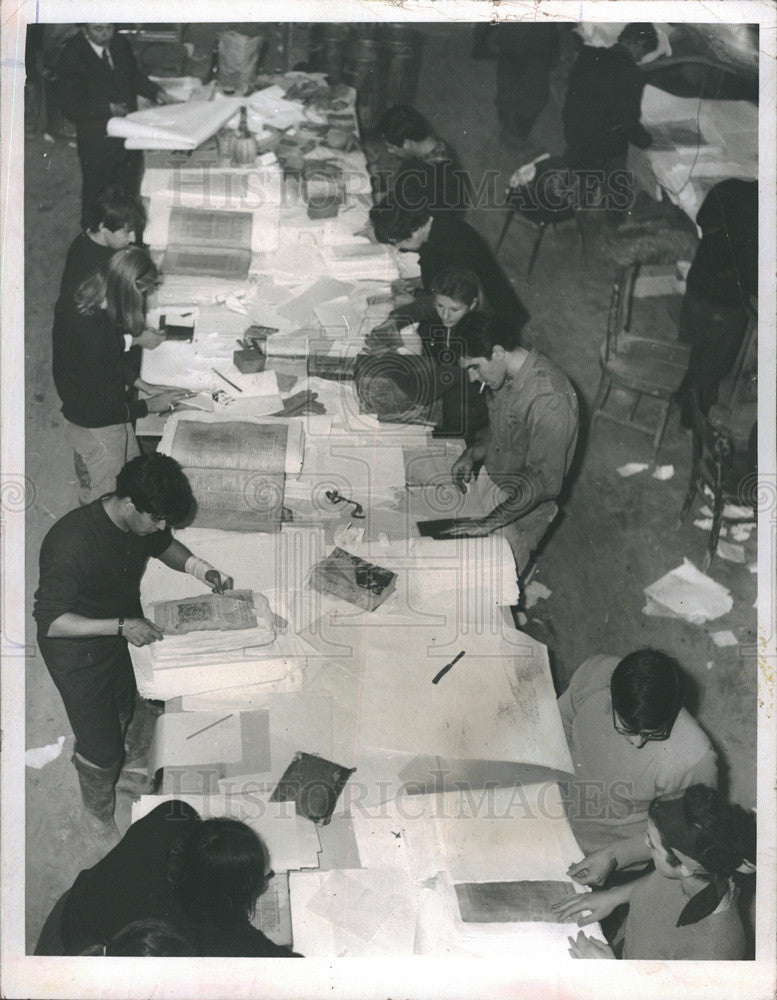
447 667
224 377
210 726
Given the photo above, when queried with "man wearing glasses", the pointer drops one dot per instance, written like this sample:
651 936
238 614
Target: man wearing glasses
630 740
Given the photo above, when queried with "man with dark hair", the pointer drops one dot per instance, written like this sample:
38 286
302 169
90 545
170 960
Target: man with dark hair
87 608
530 439
603 103
630 739
100 79
428 173
113 220
442 242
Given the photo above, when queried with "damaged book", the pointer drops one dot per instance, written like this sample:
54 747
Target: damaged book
353 579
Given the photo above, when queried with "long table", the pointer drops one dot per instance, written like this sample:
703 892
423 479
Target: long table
454 782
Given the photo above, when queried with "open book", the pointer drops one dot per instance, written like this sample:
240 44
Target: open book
236 471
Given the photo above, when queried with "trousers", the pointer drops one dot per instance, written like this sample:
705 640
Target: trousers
96 682
99 454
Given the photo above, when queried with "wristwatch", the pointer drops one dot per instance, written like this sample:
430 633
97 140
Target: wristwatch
120 629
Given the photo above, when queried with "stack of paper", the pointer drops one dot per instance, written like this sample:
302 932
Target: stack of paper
174 126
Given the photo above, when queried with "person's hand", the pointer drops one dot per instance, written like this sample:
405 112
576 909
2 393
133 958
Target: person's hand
466 527
149 339
595 868
218 582
584 907
141 632
119 110
164 98
166 402
461 471
585 947
384 337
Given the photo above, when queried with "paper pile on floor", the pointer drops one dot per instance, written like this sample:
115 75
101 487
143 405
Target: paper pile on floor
687 593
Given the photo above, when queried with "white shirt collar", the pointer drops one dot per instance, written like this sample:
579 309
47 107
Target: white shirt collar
99 49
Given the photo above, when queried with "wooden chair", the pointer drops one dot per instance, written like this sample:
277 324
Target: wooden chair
718 467
643 366
541 194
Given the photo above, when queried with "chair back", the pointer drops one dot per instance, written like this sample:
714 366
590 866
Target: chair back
548 197
619 315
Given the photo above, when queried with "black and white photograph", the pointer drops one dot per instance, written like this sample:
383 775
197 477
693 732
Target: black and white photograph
388 500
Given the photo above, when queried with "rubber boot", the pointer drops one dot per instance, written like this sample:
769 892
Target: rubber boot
97 791
138 731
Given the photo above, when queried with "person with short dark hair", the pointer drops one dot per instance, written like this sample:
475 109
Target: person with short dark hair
442 242
529 442
147 938
602 108
113 219
95 377
202 877
87 608
428 171
630 739
100 79
687 908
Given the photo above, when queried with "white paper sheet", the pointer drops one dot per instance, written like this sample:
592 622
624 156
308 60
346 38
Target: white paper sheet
686 592
187 124
184 739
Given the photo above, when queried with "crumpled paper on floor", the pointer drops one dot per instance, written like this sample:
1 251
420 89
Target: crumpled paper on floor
535 591
663 472
41 756
631 469
724 638
687 593
731 552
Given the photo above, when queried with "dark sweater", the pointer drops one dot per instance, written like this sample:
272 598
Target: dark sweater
84 258
130 883
603 103
725 268
90 567
454 242
89 86
91 371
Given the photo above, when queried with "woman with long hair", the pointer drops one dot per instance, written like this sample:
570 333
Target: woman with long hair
415 358
202 877
687 908
95 376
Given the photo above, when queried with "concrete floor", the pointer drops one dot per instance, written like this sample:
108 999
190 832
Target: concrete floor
615 537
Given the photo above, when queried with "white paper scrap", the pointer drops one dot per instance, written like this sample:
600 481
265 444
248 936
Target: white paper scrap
41 756
741 532
535 591
663 472
632 469
686 592
724 638
731 552
705 523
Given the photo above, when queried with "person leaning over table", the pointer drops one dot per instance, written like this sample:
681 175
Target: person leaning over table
630 739
100 79
440 242
87 608
397 384
687 909
95 377
112 221
202 877
528 445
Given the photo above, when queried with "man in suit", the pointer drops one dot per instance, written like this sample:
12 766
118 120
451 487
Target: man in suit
100 79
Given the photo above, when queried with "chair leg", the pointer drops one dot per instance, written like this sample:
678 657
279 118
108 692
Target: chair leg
717 518
601 398
535 249
660 429
505 227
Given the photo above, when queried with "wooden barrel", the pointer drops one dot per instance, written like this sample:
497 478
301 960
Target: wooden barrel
365 69
404 48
